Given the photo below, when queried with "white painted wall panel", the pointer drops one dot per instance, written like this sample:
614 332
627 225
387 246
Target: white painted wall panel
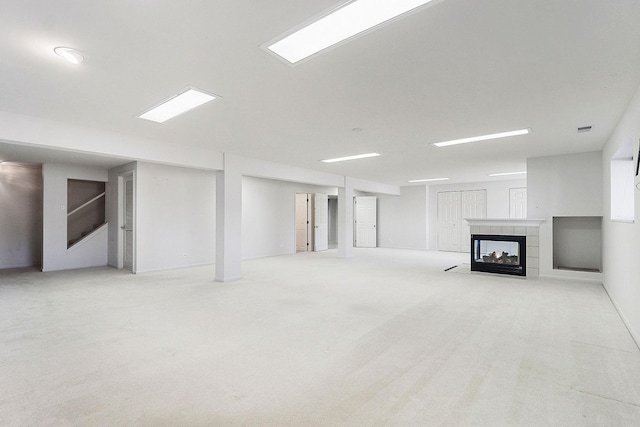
620 276
402 220
268 215
567 185
55 255
175 217
20 216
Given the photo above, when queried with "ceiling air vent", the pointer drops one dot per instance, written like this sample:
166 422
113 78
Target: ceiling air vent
584 129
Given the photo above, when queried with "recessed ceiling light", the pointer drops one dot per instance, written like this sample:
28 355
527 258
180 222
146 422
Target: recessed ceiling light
71 55
178 104
342 159
508 173
343 22
429 180
482 137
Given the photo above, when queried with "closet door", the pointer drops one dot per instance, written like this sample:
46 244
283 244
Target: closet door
517 203
449 221
474 205
454 233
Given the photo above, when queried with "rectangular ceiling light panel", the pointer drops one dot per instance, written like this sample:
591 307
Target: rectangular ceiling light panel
353 18
181 103
356 157
507 173
482 138
429 180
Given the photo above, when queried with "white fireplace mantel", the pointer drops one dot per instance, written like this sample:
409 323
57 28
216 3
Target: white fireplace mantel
513 222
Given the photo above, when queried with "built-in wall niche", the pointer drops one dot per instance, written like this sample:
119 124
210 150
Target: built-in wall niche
577 243
86 209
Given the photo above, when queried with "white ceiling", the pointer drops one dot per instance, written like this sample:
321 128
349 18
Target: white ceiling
453 69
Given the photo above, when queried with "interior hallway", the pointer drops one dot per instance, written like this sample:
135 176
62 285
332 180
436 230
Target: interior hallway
384 338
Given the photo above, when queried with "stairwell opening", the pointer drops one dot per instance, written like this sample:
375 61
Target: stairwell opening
86 209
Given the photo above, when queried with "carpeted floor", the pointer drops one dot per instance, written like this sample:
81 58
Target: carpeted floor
384 338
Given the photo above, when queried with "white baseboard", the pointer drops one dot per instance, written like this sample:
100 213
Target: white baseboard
632 332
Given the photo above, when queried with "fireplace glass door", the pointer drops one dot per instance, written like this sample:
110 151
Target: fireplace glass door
498 254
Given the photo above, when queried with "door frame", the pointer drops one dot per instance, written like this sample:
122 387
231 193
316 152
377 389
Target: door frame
121 219
455 224
297 212
357 243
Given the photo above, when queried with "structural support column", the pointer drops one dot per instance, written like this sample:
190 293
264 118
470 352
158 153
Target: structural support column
345 219
228 220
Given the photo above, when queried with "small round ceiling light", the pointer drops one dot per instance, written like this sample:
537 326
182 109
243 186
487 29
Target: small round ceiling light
72 55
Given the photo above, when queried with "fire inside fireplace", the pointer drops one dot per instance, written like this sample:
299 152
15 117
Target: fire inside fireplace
499 254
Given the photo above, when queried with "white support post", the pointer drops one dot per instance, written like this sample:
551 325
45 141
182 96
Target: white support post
345 219
228 220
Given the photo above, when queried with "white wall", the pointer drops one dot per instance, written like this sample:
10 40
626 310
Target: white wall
621 175
566 185
55 255
38 132
20 216
497 201
621 240
402 220
175 217
268 215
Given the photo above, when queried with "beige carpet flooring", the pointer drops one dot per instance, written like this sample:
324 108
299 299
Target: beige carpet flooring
383 338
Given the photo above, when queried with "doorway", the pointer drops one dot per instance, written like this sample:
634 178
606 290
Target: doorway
126 220
333 221
302 223
312 222
365 219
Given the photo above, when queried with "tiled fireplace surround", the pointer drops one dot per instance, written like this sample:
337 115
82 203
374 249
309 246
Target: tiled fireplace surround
513 227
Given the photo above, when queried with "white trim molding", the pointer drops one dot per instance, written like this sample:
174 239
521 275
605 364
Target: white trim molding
513 222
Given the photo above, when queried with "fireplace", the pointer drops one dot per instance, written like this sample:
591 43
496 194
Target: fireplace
499 254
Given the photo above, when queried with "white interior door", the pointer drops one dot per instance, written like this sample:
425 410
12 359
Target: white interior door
127 226
449 221
302 222
365 222
321 222
517 203
474 205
